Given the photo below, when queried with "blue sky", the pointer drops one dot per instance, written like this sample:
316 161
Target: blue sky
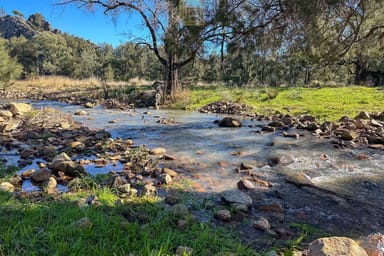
94 26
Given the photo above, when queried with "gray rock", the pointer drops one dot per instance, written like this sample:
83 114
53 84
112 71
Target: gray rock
262 224
349 135
64 164
238 197
41 175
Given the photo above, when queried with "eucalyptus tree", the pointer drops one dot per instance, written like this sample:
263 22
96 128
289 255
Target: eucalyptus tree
9 68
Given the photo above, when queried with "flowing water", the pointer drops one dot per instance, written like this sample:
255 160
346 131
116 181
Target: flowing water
210 155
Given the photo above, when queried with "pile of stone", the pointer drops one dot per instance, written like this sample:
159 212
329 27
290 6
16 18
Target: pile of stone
229 108
366 129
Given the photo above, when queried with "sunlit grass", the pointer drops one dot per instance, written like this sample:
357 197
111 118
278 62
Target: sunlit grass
139 226
323 103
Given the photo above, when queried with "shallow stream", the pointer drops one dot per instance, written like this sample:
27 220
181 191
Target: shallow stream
210 155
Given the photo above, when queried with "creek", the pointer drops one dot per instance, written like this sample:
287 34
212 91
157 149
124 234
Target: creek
347 185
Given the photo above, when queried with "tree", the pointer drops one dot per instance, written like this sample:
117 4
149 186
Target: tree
9 68
179 30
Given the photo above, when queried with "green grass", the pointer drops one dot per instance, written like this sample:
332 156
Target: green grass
139 226
323 103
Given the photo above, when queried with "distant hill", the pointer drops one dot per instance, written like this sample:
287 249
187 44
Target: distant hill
15 26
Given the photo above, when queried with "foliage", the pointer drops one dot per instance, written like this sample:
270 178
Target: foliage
9 68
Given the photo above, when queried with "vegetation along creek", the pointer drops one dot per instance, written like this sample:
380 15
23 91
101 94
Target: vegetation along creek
193 127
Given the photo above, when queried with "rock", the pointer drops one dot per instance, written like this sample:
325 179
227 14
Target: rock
335 246
157 151
77 146
246 166
112 121
262 224
229 122
7 187
268 129
20 108
375 123
26 153
6 114
166 178
16 180
184 251
83 223
182 224
238 197
273 160
276 124
272 207
169 157
307 118
349 135
299 179
10 125
116 182
287 120
223 215
245 184
363 115
89 105
81 113
170 172
312 126
125 188
149 190
291 135
50 184
41 175
64 163
28 173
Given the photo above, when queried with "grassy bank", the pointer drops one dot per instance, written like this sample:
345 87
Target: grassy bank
323 103
139 226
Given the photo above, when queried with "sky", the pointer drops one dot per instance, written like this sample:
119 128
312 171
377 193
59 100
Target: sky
94 26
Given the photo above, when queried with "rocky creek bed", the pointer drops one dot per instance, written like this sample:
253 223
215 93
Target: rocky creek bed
269 200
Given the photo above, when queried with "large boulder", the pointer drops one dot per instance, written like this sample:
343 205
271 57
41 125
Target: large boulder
64 164
335 246
229 122
20 108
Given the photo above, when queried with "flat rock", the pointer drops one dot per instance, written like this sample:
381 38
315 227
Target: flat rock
236 197
6 114
335 246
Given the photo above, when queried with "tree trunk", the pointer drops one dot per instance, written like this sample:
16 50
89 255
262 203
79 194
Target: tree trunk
172 83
